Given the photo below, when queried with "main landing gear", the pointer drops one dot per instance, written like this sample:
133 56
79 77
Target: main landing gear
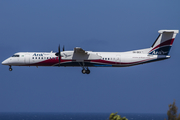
10 69
84 70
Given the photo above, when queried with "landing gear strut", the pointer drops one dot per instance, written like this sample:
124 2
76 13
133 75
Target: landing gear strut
84 70
10 69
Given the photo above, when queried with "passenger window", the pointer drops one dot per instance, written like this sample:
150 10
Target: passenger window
32 57
36 57
41 57
44 57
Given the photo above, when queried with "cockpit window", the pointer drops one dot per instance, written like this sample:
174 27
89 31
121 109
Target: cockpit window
15 56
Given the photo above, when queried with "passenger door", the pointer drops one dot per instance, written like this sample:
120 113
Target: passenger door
118 59
27 58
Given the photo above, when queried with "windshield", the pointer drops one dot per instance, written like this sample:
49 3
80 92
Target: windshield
15 56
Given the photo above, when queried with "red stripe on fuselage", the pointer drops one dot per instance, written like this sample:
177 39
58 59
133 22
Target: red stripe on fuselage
120 63
49 62
52 62
105 62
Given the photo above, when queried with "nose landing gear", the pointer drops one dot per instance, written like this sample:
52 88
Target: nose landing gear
10 69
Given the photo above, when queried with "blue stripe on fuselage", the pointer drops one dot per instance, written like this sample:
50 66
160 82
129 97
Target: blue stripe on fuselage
85 64
100 65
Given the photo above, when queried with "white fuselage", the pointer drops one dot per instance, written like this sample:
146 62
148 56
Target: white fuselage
79 57
91 59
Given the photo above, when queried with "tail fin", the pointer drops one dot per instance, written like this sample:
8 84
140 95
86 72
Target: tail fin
163 43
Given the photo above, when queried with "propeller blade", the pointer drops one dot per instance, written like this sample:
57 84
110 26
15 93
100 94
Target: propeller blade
59 51
59 54
63 47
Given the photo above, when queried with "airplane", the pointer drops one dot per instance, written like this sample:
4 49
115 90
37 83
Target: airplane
81 58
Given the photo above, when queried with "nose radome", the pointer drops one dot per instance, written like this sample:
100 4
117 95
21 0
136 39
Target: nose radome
5 62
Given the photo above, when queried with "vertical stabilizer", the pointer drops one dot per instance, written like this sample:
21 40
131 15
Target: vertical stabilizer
163 43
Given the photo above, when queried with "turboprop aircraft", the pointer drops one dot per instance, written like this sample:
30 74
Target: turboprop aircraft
81 58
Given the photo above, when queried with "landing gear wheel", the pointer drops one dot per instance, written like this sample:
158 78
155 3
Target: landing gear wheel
87 71
83 71
10 69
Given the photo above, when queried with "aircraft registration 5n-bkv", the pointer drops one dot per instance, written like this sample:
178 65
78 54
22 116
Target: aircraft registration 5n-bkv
81 58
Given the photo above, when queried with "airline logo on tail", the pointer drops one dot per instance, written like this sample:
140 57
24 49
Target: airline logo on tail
163 43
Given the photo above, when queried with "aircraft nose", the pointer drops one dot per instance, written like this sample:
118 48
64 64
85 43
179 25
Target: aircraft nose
5 62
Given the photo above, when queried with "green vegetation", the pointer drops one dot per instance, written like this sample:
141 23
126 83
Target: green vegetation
172 112
114 116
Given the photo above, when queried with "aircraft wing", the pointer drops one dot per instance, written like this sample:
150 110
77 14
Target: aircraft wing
79 50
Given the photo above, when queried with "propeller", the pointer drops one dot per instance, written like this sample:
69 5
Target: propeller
59 54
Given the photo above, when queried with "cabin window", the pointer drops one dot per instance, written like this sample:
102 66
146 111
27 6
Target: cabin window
32 57
41 57
36 57
15 56
105 58
44 57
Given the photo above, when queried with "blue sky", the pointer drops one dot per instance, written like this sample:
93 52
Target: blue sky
116 26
